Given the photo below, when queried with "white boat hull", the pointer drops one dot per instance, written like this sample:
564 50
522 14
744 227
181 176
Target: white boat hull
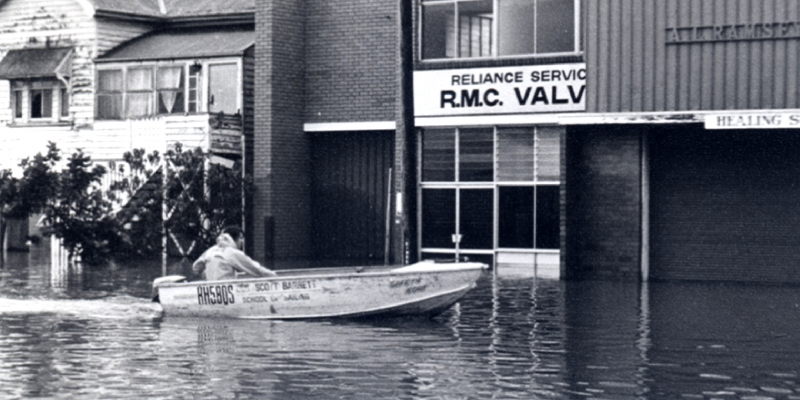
424 288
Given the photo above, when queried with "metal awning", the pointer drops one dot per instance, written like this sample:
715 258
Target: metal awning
36 63
182 45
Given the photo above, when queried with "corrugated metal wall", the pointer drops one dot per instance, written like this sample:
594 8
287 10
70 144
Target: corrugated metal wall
634 68
349 193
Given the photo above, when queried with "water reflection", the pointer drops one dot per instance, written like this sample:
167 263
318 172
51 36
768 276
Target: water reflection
99 337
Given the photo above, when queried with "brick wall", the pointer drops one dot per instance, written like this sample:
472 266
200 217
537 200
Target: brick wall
603 203
281 168
351 63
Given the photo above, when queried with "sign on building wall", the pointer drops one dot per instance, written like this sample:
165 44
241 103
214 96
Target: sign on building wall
753 120
504 90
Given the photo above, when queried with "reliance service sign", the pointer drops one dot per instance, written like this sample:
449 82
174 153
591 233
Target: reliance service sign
505 90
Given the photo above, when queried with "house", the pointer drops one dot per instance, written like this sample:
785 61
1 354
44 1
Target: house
108 76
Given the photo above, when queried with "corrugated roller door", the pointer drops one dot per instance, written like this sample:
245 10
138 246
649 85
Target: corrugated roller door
725 205
349 194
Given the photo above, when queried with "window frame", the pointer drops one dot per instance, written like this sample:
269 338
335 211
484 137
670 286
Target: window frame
22 96
194 86
495 37
181 92
540 180
127 92
120 94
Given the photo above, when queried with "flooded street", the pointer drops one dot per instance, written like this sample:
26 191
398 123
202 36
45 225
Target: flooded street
94 334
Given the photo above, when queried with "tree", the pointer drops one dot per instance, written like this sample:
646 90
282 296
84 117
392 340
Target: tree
126 220
23 197
138 199
202 196
80 214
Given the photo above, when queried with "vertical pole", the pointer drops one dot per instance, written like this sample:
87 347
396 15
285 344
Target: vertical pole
388 232
406 181
2 241
645 206
164 215
206 191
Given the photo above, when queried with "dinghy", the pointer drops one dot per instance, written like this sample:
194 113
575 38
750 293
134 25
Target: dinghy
426 288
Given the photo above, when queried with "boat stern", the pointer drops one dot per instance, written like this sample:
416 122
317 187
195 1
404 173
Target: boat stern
163 281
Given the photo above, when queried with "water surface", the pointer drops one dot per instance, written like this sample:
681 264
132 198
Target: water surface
92 333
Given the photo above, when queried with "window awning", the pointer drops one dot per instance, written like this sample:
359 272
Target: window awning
36 63
182 45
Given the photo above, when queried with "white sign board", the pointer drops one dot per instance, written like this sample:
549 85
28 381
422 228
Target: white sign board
750 120
502 90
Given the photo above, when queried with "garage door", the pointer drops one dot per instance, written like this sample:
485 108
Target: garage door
349 194
725 205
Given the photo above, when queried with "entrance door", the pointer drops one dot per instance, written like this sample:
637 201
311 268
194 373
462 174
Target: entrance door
223 87
457 221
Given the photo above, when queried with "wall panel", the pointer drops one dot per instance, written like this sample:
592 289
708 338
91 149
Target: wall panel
635 66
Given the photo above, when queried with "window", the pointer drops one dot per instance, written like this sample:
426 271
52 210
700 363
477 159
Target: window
109 94
194 88
496 28
147 90
64 99
462 153
139 92
223 88
465 169
18 92
170 90
39 100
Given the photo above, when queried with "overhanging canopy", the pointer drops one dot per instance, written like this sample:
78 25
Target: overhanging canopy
182 45
36 63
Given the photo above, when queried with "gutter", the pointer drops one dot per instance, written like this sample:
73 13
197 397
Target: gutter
242 18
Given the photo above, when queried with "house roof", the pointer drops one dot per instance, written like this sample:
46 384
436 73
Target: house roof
35 63
182 45
174 8
188 8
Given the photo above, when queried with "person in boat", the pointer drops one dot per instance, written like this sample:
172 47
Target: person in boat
226 260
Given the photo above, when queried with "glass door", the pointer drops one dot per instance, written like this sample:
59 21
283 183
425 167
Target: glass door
456 221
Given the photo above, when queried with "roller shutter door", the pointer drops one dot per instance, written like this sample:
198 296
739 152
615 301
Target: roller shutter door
349 194
725 205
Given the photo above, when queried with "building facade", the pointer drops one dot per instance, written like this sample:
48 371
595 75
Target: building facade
355 164
491 81
685 164
326 126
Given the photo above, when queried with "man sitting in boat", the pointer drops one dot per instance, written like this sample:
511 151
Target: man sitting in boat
226 260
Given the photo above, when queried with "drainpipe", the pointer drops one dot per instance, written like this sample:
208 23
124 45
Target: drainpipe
405 248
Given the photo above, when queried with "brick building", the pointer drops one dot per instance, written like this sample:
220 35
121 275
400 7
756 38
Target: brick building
471 174
566 138
326 110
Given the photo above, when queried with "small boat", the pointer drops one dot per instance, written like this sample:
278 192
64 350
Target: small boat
426 288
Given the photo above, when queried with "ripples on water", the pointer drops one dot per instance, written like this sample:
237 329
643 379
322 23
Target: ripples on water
508 339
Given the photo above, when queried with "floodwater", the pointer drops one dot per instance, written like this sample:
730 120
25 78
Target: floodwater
72 333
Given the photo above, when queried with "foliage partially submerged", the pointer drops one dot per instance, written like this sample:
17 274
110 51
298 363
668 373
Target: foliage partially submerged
126 219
